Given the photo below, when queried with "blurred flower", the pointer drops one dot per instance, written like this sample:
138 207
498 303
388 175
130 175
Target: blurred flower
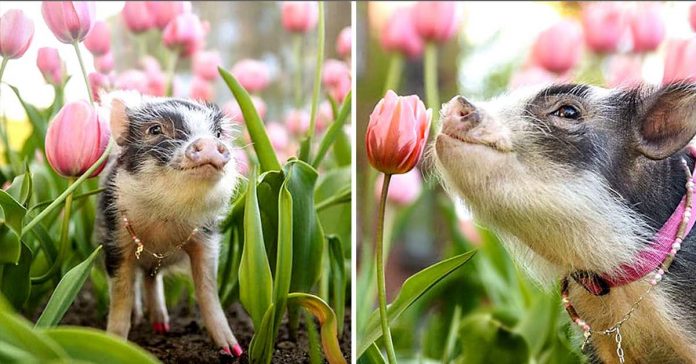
201 89
297 121
692 16
299 16
435 21
51 66
156 80
397 133
336 78
163 12
344 42
558 48
680 61
253 75
185 34
324 115
231 108
98 82
531 76
399 34
105 63
16 32
624 71
647 27
205 64
70 21
242 160
404 189
76 138
98 41
278 136
604 23
468 229
137 17
150 64
132 80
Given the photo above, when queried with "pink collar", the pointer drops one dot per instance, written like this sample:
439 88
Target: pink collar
647 260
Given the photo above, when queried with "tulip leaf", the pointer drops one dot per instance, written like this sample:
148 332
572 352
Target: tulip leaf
268 191
485 340
283 272
15 283
95 346
16 332
262 144
372 356
37 121
327 319
333 131
339 280
255 281
10 245
261 347
66 291
21 187
413 288
13 212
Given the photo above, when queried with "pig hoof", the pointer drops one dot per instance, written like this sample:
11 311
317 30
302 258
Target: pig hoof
236 351
160 327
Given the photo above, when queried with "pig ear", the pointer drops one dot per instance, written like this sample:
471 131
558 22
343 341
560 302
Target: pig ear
119 121
667 122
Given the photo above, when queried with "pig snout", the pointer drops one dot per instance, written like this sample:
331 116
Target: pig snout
462 120
207 151
461 114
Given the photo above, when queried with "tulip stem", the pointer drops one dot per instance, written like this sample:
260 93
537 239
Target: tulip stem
2 67
298 69
380 262
430 74
63 196
173 59
317 74
84 71
394 70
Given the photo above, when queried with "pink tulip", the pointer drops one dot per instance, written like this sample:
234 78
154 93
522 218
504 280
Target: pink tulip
531 76
692 16
468 229
132 80
336 79
185 34
253 75
104 64
604 23
136 15
156 80
397 133
232 110
163 12
205 64
558 48
624 71
16 32
150 64
297 121
435 21
242 160
76 138
98 82
201 89
344 42
98 41
680 61
404 189
51 66
70 21
647 27
324 115
278 136
399 34
299 16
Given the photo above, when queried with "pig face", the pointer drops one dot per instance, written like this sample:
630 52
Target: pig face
570 174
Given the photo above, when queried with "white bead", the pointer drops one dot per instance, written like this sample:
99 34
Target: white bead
673 252
195 230
690 185
658 277
653 282
676 246
137 241
660 271
687 215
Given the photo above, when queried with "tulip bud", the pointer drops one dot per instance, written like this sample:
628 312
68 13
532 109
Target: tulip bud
558 48
104 64
530 77
297 121
70 21
75 139
16 32
692 16
397 133
242 160
278 136
399 34
299 16
253 75
185 34
205 64
435 21
98 41
680 61
647 27
163 12
136 15
624 71
404 189
98 82
336 79
51 66
324 115
344 42
234 112
132 80
201 89
604 23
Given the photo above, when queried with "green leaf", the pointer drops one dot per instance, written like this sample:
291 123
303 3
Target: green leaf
283 272
13 212
268 190
327 319
16 331
413 288
96 346
10 245
21 187
485 340
333 131
338 278
38 122
372 356
66 291
259 139
261 347
255 282
15 283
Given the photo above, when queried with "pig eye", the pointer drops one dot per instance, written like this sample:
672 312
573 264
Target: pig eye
567 112
218 134
155 130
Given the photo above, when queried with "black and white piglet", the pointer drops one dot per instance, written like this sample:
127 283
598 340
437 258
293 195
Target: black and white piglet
167 183
583 182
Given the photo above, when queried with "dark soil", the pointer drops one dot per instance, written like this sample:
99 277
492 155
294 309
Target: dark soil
188 342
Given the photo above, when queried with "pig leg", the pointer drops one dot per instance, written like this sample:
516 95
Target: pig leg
203 257
154 303
122 296
138 297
